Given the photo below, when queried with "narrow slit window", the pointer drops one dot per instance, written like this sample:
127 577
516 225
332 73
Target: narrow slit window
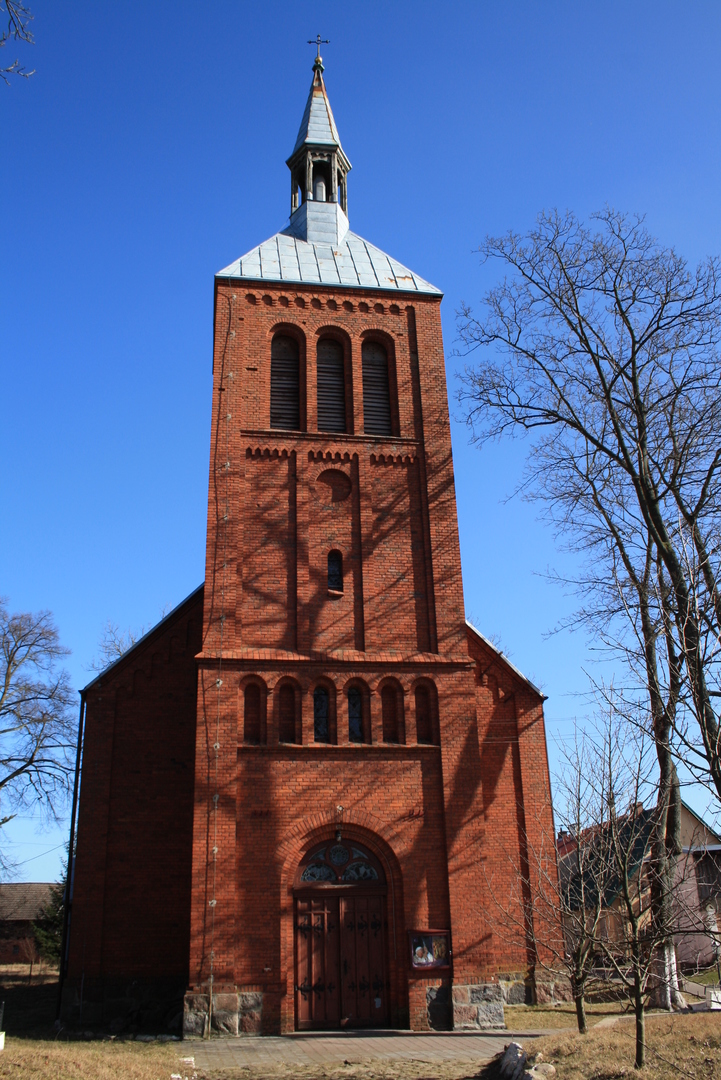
355 715
424 726
376 390
331 386
335 571
321 728
284 383
286 714
251 726
389 707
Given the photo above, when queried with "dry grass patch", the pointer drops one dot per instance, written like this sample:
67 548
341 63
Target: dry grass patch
682 1044
31 1059
540 1017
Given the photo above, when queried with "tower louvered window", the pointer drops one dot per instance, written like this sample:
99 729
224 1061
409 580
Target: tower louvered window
331 386
284 383
376 390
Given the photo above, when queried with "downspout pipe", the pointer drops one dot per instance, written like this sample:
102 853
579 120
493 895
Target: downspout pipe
71 861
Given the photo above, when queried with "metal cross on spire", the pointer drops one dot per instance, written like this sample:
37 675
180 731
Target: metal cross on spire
318 65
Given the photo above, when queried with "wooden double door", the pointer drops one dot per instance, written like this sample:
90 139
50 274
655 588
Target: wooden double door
341 978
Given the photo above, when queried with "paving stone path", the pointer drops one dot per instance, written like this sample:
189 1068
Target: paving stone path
353 1047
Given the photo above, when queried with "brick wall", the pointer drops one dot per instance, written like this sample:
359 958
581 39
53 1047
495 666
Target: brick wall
279 501
131 901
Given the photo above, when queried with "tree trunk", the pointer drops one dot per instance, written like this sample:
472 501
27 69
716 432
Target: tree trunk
640 1023
581 1013
666 993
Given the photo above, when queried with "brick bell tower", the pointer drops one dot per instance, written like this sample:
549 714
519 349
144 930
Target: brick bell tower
338 803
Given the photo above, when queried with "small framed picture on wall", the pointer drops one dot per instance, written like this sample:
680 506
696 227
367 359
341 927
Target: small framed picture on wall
430 949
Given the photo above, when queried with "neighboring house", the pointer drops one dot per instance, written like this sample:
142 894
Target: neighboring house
698 894
593 858
20 905
698 887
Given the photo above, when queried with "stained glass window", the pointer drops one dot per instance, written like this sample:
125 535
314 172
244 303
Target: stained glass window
355 715
320 714
337 865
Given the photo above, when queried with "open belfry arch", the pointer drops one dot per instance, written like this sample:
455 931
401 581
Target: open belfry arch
303 790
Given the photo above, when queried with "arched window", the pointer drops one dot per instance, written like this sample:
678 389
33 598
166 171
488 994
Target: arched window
331 386
376 391
335 571
424 722
321 725
286 714
355 715
389 706
284 383
251 713
341 862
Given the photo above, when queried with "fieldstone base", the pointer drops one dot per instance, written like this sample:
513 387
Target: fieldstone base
516 989
233 1014
116 1006
549 992
478 1007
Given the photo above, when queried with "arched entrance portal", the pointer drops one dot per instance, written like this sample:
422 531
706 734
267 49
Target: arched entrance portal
341 970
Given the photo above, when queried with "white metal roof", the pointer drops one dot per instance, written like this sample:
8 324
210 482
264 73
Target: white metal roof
354 261
318 125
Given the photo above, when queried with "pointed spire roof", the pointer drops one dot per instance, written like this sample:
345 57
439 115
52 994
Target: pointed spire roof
317 128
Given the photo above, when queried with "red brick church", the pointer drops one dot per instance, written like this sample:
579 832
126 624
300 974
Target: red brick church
301 792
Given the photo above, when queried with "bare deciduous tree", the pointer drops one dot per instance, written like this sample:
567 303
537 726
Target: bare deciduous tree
18 29
113 644
37 735
606 351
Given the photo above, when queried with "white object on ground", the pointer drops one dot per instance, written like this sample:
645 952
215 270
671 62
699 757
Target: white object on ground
513 1061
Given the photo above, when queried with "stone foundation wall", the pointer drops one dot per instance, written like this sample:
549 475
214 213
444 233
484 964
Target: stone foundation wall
552 990
116 1006
478 1007
233 1014
516 988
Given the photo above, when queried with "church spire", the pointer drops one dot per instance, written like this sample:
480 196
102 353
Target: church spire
318 165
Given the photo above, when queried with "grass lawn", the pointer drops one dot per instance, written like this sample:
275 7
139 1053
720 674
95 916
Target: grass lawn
685 1044
536 1017
709 977
30 1059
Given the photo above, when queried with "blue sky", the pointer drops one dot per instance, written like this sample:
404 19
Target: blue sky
148 151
